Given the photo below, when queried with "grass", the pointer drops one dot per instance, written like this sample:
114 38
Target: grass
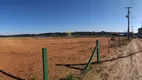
127 41
103 56
70 77
33 78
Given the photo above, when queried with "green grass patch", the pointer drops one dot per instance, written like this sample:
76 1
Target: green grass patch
33 78
126 42
70 77
103 56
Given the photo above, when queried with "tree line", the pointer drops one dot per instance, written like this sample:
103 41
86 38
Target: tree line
64 34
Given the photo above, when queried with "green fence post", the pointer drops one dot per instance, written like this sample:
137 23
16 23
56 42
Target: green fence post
45 64
98 51
90 60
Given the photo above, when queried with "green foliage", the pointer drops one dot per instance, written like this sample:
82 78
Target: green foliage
102 57
33 78
112 38
70 77
127 41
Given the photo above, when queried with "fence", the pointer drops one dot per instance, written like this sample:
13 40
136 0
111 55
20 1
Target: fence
97 51
45 59
117 42
111 43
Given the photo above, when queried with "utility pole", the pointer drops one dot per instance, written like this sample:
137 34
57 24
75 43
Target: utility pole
127 16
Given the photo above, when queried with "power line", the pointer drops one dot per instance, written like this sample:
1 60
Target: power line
120 7
122 3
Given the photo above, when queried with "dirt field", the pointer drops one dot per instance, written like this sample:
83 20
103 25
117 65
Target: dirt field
22 57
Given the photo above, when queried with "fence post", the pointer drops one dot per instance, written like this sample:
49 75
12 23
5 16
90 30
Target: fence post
108 46
98 51
90 60
45 64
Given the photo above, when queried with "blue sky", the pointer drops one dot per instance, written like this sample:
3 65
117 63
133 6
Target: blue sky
40 16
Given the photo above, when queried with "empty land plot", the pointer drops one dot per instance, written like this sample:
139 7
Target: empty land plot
22 57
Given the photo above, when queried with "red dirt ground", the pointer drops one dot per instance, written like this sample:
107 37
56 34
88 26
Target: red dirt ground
22 57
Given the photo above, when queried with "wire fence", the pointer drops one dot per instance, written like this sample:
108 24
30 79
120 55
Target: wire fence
116 42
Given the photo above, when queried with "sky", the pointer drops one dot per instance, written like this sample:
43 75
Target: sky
42 16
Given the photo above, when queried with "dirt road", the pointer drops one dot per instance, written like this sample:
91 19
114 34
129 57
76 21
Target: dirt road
124 64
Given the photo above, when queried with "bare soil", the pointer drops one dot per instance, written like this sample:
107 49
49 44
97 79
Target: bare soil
22 57
125 63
